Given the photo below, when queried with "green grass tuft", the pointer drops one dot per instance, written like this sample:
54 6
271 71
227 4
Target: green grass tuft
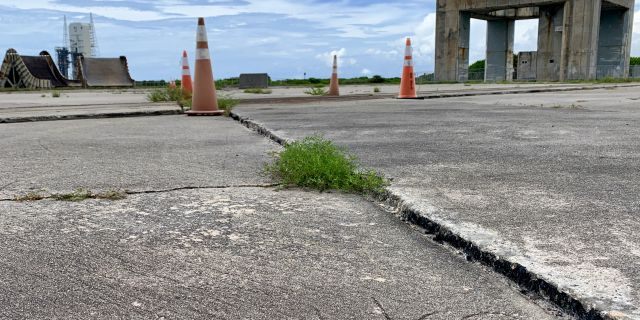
258 91
166 94
55 94
319 164
31 196
316 91
227 103
84 194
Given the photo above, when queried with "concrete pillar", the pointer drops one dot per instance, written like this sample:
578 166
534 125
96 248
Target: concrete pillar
499 60
551 31
583 20
613 45
452 42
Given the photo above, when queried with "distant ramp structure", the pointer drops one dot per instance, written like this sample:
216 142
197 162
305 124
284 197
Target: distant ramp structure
104 72
31 72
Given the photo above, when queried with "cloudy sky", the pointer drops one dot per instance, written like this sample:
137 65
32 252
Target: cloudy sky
286 38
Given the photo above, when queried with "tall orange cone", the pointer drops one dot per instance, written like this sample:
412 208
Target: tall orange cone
408 82
334 87
204 101
186 84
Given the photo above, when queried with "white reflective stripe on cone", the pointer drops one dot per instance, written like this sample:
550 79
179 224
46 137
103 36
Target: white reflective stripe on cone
408 51
203 54
408 63
202 34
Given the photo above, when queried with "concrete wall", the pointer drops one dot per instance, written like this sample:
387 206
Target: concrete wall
551 31
572 41
527 65
254 80
499 60
614 35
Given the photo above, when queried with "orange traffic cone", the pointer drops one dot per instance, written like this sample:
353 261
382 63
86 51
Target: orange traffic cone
334 89
408 82
204 101
186 84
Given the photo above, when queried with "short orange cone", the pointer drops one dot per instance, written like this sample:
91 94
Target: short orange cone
334 86
408 82
186 84
204 101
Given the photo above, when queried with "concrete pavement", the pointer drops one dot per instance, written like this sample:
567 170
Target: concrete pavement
545 181
221 244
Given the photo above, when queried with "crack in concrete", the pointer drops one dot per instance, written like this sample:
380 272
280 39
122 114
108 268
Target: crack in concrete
525 279
127 192
470 316
384 312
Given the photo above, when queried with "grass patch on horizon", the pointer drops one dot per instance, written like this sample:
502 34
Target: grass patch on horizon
319 164
258 91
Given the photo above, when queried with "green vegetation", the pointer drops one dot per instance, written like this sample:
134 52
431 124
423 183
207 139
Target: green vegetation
165 94
84 194
31 196
55 94
76 196
258 91
316 91
376 90
635 61
319 164
227 103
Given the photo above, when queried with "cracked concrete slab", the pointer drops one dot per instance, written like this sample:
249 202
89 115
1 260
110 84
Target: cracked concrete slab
531 177
238 253
136 154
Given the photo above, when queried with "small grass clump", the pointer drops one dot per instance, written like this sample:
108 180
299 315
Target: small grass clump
319 164
167 94
55 94
316 91
227 103
376 90
84 194
31 196
75 196
258 91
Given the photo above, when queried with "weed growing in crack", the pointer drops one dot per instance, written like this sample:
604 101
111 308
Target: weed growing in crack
227 103
75 196
319 164
31 196
84 194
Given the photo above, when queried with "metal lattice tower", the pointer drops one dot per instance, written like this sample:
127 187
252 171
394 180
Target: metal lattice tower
94 40
63 51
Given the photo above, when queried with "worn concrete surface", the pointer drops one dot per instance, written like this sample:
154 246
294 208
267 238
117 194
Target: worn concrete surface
137 154
548 181
237 253
220 253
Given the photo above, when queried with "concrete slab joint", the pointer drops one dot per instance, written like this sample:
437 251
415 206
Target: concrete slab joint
577 39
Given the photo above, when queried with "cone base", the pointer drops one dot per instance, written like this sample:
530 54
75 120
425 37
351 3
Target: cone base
204 113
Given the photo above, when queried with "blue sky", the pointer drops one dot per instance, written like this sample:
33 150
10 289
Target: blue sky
285 38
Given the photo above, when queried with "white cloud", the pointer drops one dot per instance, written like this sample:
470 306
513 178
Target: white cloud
327 57
366 72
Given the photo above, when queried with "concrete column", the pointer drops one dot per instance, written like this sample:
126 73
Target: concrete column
583 19
499 61
551 31
613 48
452 42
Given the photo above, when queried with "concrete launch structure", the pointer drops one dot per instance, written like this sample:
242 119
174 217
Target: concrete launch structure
80 41
577 39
